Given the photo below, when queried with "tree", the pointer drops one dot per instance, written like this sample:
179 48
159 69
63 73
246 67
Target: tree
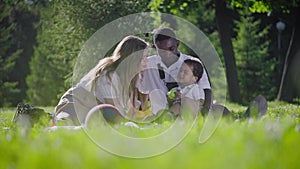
62 32
224 23
8 56
289 89
17 20
251 48
288 11
25 17
51 63
203 15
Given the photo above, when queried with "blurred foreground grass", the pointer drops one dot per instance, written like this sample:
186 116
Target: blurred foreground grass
270 142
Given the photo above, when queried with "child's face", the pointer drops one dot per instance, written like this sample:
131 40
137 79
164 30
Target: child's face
185 76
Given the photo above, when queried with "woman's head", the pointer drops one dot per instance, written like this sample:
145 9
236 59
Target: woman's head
128 46
131 48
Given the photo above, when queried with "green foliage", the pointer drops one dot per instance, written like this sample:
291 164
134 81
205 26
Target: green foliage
63 30
48 64
202 15
18 35
264 6
271 142
62 33
252 5
255 72
8 56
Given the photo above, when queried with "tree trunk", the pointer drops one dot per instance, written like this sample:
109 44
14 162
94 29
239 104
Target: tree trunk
290 82
224 21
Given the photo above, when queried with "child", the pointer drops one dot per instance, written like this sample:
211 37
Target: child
188 90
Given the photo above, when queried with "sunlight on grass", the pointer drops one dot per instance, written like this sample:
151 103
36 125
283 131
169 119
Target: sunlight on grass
270 142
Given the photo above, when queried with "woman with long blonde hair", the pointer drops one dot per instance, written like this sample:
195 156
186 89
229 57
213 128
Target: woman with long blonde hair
111 81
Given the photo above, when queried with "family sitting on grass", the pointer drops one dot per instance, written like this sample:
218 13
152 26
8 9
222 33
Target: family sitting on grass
131 81
116 80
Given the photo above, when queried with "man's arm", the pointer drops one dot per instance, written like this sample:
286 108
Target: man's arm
207 102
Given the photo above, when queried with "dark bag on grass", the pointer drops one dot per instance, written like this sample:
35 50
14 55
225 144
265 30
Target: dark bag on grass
27 115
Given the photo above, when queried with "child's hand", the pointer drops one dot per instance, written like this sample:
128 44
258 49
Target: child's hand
178 95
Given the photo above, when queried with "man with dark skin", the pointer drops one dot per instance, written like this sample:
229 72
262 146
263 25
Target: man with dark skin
162 69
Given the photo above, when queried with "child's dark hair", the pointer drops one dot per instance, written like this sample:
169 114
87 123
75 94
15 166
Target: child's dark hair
197 67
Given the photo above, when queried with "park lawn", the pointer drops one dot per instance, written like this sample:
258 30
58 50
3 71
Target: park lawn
270 142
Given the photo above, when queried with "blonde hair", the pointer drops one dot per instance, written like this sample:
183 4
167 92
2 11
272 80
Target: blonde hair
130 53
130 45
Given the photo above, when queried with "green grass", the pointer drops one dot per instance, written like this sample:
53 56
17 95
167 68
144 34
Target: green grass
270 142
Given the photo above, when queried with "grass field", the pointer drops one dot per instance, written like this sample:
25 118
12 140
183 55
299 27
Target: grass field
270 142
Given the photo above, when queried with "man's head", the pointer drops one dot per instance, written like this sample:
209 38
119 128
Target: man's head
166 45
161 34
